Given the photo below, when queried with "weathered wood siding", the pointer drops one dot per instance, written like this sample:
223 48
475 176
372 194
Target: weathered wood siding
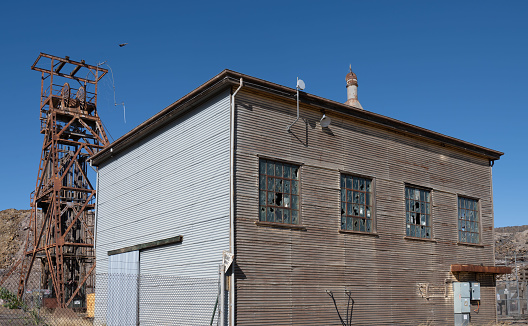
282 274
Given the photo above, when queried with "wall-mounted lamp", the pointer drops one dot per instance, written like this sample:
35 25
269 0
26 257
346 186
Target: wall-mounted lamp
325 121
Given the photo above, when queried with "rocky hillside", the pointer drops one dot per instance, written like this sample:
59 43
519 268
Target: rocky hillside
12 235
511 240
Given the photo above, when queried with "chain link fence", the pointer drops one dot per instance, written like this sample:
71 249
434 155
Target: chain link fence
512 289
118 300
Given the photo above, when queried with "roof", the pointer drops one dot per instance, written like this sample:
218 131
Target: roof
228 78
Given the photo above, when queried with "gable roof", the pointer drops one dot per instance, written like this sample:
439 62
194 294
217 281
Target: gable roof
228 78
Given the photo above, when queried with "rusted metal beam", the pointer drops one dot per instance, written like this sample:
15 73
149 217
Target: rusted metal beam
456 268
76 69
61 65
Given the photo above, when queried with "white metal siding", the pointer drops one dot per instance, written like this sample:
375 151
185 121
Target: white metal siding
174 182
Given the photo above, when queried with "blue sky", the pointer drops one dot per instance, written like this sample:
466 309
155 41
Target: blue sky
455 67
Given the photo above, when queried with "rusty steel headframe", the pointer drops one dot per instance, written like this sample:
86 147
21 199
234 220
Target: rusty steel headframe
61 230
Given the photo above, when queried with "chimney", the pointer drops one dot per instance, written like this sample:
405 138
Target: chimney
352 85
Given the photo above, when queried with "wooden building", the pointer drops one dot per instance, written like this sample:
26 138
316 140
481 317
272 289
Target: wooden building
364 207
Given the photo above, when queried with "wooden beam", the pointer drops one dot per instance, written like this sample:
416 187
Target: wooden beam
147 245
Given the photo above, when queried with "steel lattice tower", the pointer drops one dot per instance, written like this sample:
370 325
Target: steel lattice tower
61 231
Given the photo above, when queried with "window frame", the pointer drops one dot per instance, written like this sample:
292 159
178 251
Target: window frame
408 235
297 225
372 206
478 215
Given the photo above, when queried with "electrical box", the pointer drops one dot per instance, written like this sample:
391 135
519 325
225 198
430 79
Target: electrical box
475 291
461 290
462 297
461 319
462 306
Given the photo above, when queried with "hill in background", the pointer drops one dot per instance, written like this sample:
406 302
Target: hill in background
13 230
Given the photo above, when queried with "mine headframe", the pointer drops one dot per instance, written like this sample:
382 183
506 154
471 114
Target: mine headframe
61 230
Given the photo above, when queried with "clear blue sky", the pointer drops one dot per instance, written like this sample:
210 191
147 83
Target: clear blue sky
455 67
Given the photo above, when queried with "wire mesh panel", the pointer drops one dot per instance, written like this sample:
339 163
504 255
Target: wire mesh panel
156 300
176 300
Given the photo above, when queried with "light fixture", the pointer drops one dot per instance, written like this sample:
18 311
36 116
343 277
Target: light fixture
325 121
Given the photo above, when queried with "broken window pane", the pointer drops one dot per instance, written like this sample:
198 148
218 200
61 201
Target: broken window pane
287 186
276 189
278 199
417 206
262 213
355 194
295 173
271 214
468 220
362 225
361 184
356 197
278 185
349 183
271 198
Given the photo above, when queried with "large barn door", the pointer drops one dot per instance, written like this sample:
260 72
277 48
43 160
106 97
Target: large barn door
123 274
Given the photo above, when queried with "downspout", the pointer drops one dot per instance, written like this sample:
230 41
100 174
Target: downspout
232 206
96 211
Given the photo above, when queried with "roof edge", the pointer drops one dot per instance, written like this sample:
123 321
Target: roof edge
228 77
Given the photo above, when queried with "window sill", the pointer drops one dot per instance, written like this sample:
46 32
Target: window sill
470 244
281 225
419 239
372 234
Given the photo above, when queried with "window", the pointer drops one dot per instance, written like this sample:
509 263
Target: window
356 203
468 220
418 212
278 192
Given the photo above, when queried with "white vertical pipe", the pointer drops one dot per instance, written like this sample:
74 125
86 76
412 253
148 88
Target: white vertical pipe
222 293
232 206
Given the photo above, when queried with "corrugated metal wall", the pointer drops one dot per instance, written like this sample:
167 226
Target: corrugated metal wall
283 274
174 182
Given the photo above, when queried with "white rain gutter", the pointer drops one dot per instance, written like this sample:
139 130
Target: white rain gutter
232 206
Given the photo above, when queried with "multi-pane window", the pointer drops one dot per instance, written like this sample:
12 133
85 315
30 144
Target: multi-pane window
468 220
356 203
418 212
278 192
